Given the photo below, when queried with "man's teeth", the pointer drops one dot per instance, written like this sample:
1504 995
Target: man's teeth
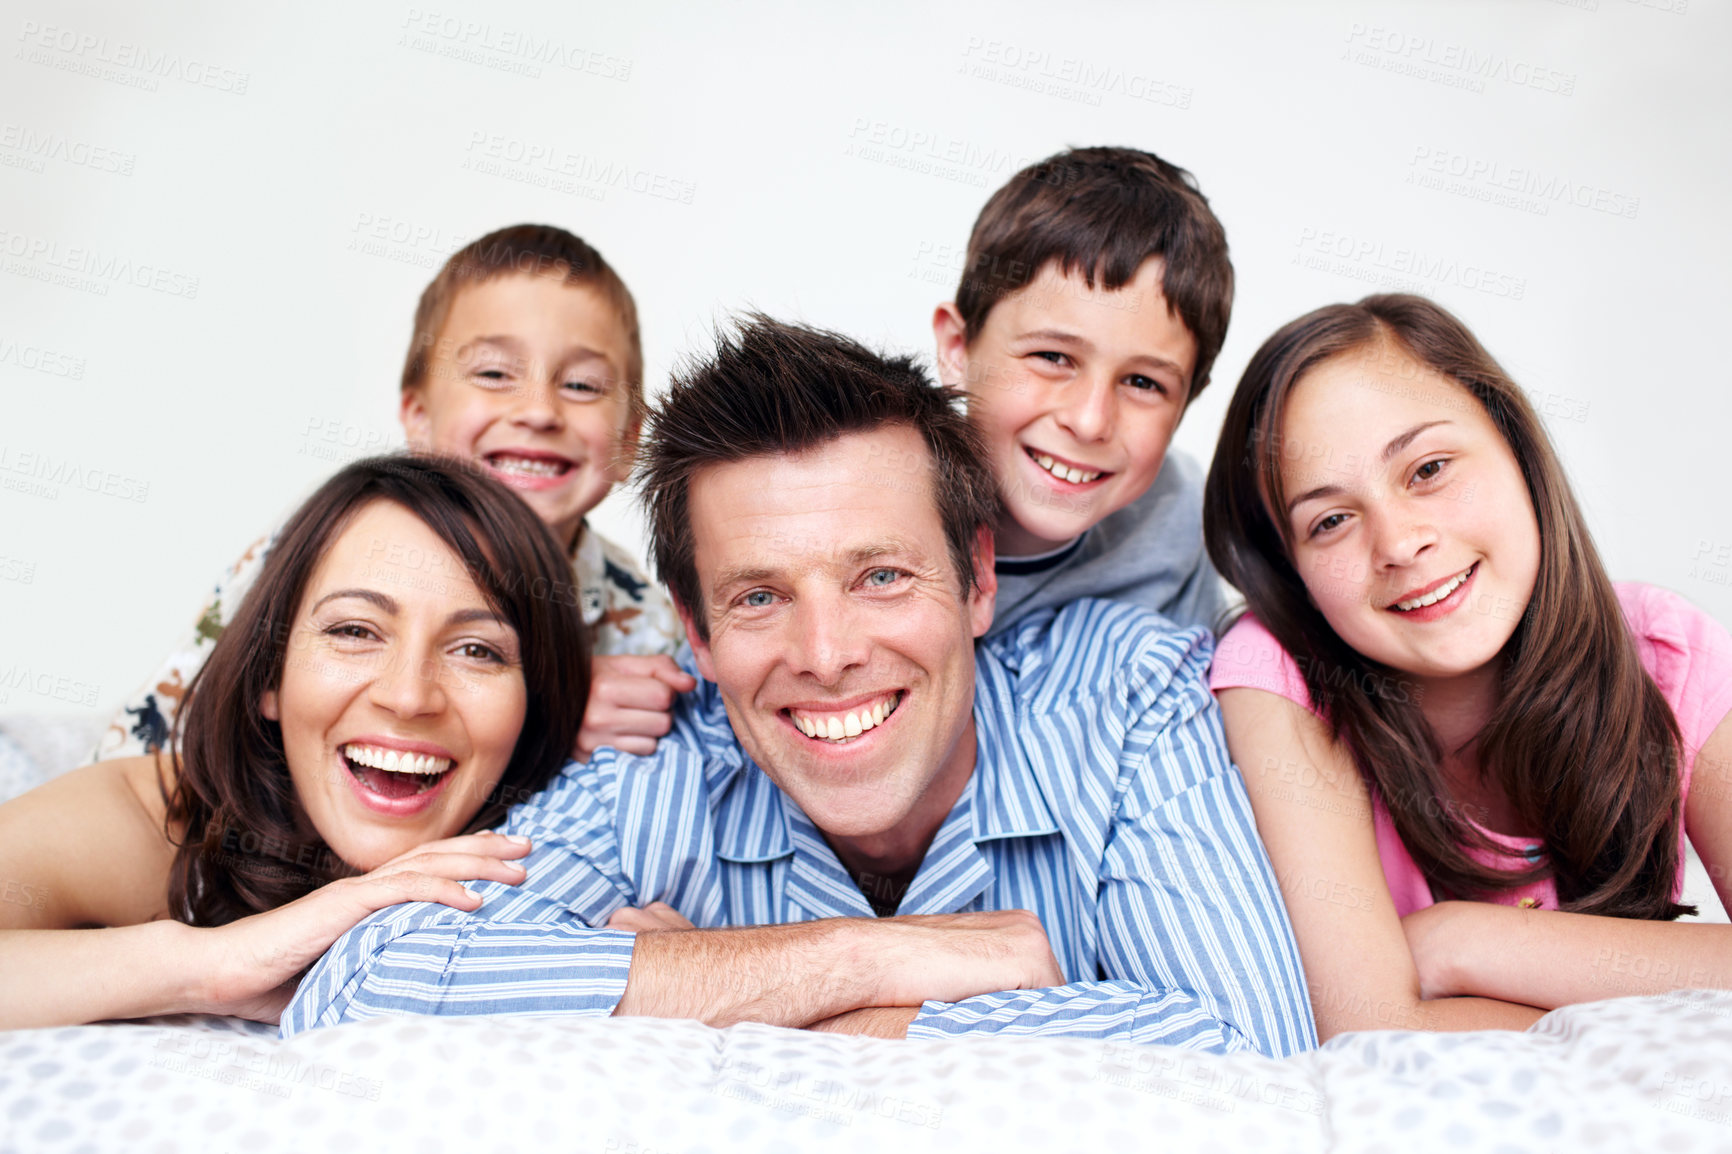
393 761
530 467
1062 471
1437 594
840 727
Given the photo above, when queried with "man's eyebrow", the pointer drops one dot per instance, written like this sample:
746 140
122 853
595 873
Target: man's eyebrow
388 604
859 555
1399 443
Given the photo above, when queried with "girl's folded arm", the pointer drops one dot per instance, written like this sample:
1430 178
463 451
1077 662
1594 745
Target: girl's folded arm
1314 815
1551 959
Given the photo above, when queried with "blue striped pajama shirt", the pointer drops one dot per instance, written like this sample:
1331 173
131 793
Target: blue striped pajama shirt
1103 799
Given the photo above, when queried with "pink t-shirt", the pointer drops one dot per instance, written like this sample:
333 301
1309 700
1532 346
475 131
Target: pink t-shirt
1685 651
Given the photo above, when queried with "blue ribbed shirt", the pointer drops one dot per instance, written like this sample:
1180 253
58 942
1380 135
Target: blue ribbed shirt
1102 798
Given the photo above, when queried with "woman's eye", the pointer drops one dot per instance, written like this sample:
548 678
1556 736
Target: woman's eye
759 599
350 631
476 651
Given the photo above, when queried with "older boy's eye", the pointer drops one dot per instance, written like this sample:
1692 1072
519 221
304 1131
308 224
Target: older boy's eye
1149 384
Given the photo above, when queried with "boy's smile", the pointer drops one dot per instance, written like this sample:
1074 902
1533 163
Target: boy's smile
1077 391
528 377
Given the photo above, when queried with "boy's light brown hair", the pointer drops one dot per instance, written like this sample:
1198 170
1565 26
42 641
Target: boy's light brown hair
1103 212
528 249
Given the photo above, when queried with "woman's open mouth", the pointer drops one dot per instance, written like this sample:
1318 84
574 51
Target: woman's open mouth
394 774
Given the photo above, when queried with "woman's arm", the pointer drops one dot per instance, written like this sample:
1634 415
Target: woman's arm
83 904
1314 814
1547 958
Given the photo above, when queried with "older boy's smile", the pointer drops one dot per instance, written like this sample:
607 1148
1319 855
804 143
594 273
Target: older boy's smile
1077 390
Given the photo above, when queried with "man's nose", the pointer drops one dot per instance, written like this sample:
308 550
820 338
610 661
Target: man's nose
828 637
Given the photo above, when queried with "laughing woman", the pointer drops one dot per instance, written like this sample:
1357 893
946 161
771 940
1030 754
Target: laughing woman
1473 759
410 662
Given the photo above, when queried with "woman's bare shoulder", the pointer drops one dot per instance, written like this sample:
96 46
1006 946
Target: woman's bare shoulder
87 848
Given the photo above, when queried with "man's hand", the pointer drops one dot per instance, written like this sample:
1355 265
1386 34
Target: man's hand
630 703
655 916
806 972
871 1022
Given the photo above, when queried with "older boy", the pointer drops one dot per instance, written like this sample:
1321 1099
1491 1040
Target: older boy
1095 297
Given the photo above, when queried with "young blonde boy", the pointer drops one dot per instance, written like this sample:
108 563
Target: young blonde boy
525 359
1094 300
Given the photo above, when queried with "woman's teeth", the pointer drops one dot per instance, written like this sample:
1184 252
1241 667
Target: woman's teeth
393 761
527 466
1062 471
1437 594
842 726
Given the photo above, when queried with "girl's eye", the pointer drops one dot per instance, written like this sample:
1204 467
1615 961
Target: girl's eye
1333 521
882 577
1429 470
758 599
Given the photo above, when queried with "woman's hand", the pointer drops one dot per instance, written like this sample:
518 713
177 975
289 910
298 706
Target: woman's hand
251 966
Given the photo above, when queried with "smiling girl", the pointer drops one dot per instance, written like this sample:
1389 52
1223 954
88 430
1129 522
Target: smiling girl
408 664
1473 759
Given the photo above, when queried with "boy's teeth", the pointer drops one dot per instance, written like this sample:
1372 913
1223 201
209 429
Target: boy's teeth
396 761
1437 594
1063 472
534 468
841 727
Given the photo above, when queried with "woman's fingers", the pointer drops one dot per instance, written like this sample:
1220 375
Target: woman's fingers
488 844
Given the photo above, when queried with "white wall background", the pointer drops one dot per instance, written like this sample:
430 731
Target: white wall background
214 223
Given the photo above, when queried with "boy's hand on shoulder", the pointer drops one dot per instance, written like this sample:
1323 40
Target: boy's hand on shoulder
631 700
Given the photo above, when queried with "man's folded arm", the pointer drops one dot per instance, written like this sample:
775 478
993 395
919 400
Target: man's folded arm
1188 900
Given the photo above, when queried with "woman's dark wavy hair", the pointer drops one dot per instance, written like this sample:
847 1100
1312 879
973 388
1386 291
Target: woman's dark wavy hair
242 846
1582 742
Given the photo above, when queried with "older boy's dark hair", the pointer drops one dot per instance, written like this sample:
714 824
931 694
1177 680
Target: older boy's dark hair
1103 212
773 389
522 248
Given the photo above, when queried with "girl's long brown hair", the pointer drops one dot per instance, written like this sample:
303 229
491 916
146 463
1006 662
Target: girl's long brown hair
244 846
1581 742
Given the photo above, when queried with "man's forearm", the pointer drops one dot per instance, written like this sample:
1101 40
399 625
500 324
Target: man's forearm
788 975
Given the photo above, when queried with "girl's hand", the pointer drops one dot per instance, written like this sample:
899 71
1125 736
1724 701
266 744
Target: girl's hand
252 965
1433 935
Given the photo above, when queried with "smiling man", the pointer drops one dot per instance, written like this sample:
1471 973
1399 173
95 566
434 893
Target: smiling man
865 819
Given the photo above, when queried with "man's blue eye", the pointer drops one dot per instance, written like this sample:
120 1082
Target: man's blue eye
882 577
758 598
